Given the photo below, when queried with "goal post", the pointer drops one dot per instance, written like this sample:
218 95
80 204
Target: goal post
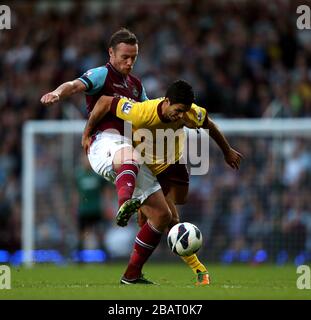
259 128
30 129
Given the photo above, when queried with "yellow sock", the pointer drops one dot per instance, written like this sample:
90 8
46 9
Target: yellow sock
194 263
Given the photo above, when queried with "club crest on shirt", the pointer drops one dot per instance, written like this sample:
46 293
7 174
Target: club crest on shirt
126 107
135 92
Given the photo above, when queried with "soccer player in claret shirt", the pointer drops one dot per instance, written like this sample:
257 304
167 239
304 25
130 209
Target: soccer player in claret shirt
113 79
174 111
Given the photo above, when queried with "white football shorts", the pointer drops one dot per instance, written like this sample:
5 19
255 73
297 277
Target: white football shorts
101 155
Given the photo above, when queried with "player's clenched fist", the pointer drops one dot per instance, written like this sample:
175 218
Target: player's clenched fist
50 98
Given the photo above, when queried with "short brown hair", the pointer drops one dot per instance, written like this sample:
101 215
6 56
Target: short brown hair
122 36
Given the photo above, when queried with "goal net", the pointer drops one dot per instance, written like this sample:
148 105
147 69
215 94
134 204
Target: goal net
260 213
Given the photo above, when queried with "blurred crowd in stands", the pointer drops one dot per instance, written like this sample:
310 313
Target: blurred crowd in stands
265 206
244 59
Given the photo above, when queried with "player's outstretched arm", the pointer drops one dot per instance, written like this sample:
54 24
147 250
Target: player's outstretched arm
232 157
100 109
63 91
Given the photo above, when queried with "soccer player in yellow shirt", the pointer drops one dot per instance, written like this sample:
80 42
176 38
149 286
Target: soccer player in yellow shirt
174 111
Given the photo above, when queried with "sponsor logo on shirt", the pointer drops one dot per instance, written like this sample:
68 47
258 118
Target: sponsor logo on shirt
119 85
126 108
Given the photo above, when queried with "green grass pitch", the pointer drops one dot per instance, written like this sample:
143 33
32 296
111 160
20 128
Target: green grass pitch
175 281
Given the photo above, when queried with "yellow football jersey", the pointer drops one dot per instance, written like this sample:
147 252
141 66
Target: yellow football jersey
159 141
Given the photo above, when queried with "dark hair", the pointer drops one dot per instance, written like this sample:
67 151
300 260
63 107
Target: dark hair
180 92
122 36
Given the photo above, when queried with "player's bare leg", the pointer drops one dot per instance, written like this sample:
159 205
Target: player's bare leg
176 195
148 238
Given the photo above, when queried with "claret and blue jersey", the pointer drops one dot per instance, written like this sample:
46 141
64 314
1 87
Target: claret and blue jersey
106 80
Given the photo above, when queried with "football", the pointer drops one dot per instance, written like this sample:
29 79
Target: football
184 239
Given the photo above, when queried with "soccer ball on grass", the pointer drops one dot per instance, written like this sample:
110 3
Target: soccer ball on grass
184 239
